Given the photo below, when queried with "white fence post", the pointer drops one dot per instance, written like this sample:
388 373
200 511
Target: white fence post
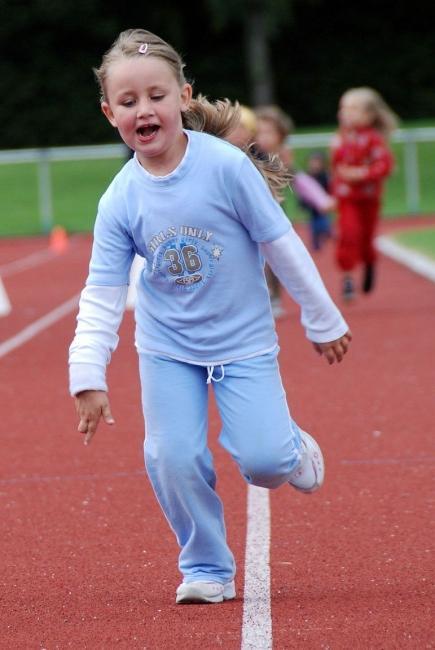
412 177
45 191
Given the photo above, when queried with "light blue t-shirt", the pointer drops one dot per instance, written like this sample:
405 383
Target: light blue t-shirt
202 295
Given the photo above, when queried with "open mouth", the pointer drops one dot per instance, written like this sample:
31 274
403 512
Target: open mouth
147 131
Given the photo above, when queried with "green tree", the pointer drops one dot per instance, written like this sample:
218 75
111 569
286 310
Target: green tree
260 21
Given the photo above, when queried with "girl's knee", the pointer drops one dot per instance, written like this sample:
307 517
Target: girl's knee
270 471
269 481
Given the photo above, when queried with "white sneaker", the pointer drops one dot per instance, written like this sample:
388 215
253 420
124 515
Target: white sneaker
205 592
308 476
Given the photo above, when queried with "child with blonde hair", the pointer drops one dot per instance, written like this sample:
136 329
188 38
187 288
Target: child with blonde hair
202 214
361 161
245 132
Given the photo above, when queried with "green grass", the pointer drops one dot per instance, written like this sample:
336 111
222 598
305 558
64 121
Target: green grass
421 240
78 185
19 199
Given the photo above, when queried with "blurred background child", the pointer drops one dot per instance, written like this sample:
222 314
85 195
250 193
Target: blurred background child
319 221
273 129
361 161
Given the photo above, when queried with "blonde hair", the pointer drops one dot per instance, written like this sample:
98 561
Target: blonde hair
248 119
219 118
127 46
272 113
384 118
216 118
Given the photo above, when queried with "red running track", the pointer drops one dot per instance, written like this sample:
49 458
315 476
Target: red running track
88 560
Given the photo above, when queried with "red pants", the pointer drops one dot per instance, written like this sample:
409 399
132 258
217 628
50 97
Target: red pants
357 222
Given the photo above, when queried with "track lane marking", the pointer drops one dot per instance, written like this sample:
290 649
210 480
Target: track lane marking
257 620
15 480
27 262
387 461
417 262
19 480
40 256
39 325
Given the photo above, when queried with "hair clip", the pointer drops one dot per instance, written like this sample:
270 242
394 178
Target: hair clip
143 48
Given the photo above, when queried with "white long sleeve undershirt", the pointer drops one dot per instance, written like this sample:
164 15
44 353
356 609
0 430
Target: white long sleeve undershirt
102 308
294 267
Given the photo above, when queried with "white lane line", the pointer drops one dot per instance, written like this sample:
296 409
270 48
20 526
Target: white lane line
417 262
28 262
18 480
39 325
388 461
257 620
5 305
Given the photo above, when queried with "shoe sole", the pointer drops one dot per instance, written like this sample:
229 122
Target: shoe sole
192 594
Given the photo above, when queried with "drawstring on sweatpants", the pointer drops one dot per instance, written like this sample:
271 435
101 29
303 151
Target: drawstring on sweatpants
210 372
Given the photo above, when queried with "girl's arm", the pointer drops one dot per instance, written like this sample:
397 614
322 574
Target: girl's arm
380 164
100 314
323 322
290 261
102 305
102 301
312 193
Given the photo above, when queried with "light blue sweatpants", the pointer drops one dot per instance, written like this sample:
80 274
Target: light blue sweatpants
257 430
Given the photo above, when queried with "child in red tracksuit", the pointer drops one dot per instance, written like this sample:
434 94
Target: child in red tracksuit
361 160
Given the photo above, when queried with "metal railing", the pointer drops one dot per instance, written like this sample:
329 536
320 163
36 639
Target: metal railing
44 157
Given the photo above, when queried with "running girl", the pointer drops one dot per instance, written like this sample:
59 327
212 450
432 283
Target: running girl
361 161
203 217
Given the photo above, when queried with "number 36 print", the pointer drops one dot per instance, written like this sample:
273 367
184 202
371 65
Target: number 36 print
186 261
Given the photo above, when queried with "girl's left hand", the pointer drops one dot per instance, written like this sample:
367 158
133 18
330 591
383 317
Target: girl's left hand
334 350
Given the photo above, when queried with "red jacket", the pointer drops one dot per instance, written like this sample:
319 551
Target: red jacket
364 148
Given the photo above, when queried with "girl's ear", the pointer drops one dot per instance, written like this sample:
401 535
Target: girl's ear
186 96
105 107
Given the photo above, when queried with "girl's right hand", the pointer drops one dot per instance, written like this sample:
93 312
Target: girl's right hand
91 405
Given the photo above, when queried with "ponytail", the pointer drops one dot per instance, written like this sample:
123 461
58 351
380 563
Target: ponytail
219 118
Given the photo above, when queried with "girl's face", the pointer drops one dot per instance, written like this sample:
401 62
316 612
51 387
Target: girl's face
353 113
144 102
268 137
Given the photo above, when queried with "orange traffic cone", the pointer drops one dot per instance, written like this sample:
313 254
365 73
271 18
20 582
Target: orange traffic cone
58 239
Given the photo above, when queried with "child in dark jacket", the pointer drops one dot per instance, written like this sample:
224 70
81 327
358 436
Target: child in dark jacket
319 221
